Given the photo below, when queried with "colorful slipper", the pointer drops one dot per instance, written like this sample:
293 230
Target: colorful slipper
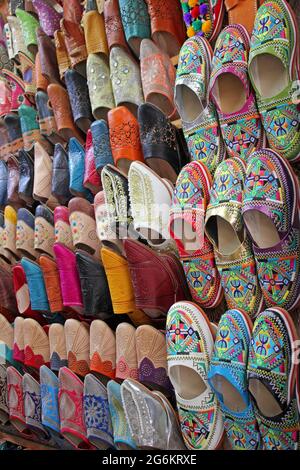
94 29
122 436
190 344
83 225
148 431
70 399
126 79
49 15
18 347
44 230
231 92
167 27
273 70
26 176
96 413
60 175
101 144
4 410
29 24
33 406
76 169
36 344
198 114
15 401
203 18
272 379
78 346
100 86
232 246
113 25
68 274
36 285
91 179
227 377
126 354
271 201
63 231
136 23
42 173
22 292
79 99
6 341
186 227
102 349
52 282
152 358
158 78
57 344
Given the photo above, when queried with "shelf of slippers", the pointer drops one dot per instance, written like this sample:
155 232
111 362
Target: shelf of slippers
9 433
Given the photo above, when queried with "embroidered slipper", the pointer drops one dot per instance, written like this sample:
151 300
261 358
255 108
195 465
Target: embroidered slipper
150 201
136 23
161 142
79 99
96 413
198 114
203 19
271 201
63 231
17 92
76 168
57 344
52 282
60 175
164 276
273 70
25 233
142 409
272 379
113 25
78 346
126 79
186 227
83 225
29 24
70 399
50 407
101 144
102 349
13 28
91 179
158 78
239 118
33 406
232 247
126 353
44 230
100 86
22 292
104 231
15 401
4 410
123 439
36 344
49 15
68 275
42 173
227 377
167 27
152 358
190 344
124 137
115 187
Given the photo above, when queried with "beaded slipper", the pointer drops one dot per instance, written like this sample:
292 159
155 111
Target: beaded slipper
227 377
271 201
186 227
190 344
198 114
232 94
272 379
273 70
232 246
